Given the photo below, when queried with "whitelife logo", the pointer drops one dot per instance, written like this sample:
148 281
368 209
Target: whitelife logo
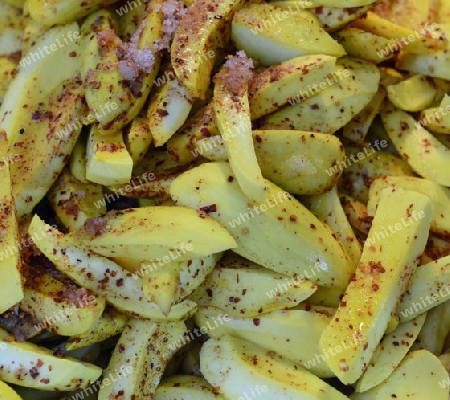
90 119
402 42
49 321
415 216
152 266
317 88
353 160
35 56
281 196
279 17
219 320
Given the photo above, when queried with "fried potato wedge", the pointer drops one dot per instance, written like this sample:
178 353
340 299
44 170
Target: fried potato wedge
185 386
430 286
423 152
152 233
291 227
280 377
74 202
199 40
332 103
143 351
297 33
40 369
54 303
111 323
439 196
389 353
231 288
383 273
274 87
46 138
10 261
89 270
419 375
294 334
107 159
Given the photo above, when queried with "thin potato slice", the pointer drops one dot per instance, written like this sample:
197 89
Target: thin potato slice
381 276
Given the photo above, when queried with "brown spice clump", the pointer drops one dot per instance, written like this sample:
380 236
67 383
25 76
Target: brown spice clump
236 74
173 11
95 226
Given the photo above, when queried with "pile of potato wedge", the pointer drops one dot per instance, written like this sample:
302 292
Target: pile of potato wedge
225 199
